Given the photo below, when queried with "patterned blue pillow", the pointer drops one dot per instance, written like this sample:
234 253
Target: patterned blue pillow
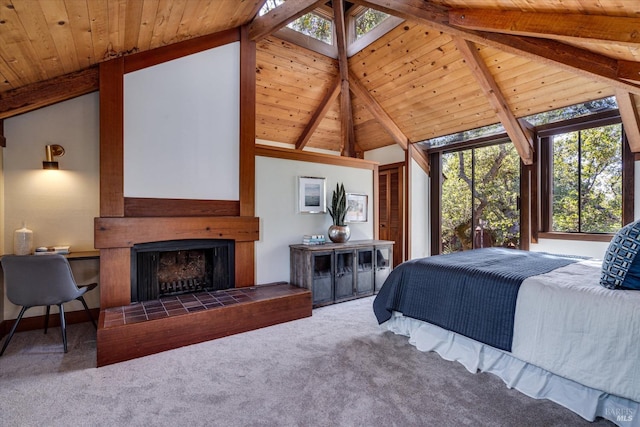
620 257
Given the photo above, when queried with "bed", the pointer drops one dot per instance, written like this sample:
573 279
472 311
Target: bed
543 323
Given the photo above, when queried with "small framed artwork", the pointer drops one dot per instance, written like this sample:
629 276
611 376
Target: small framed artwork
357 205
311 195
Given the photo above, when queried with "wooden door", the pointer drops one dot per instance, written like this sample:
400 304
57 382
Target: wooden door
391 214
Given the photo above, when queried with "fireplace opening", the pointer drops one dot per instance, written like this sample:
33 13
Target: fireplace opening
177 267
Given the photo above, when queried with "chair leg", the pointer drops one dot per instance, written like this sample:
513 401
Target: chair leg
63 326
86 307
46 319
13 329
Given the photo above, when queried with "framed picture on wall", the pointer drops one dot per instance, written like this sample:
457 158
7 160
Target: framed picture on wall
357 205
311 195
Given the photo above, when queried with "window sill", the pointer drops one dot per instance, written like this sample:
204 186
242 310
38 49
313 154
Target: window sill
587 237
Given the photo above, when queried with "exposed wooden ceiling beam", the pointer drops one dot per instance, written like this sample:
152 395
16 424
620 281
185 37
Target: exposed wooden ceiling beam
289 11
48 92
3 139
564 26
629 70
420 157
347 133
320 113
522 141
629 113
591 65
377 111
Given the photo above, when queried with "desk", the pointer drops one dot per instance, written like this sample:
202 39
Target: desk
78 256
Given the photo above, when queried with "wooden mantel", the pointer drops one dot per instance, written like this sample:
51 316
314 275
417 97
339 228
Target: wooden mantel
126 232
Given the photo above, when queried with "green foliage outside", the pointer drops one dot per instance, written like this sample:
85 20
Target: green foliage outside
493 174
368 20
587 189
314 26
311 24
320 28
587 185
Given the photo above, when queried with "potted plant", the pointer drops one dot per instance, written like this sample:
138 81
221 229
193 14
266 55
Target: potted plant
339 232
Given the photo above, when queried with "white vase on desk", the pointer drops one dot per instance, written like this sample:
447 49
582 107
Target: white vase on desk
23 241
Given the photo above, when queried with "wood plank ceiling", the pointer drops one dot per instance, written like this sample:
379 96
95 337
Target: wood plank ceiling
451 65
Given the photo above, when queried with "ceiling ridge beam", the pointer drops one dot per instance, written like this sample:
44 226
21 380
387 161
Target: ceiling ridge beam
320 113
628 70
347 135
600 28
522 140
377 111
579 61
629 114
289 11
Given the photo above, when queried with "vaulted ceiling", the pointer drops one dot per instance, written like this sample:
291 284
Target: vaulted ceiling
448 66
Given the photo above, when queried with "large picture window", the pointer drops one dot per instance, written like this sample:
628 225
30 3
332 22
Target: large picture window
582 169
480 194
587 180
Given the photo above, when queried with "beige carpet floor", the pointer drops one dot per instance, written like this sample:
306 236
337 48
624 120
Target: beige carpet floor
336 368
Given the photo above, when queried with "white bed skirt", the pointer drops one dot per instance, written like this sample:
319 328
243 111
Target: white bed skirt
529 379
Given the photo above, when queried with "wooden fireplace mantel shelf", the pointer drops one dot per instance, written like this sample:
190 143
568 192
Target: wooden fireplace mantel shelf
124 232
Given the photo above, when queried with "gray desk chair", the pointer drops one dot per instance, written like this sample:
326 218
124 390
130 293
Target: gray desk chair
41 280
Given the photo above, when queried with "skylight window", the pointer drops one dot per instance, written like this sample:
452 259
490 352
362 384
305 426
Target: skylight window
269 5
467 135
367 20
573 111
312 24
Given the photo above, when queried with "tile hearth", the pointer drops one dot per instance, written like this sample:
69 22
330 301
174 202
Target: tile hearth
176 305
149 327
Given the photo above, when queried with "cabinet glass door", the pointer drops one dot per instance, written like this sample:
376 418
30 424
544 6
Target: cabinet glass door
322 287
383 265
344 275
364 281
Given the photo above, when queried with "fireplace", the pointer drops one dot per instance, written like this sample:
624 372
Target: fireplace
176 267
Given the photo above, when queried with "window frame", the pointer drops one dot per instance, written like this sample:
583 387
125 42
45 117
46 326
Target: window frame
543 204
435 158
331 50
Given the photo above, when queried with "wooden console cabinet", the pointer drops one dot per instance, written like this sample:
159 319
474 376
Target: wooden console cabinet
336 272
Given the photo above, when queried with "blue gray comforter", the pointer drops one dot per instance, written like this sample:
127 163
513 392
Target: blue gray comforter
472 293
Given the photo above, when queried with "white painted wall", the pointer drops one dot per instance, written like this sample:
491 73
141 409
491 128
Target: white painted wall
571 247
386 155
2 232
280 222
419 212
182 127
59 206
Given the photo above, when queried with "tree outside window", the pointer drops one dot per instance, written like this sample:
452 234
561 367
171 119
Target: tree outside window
587 180
480 191
368 20
311 24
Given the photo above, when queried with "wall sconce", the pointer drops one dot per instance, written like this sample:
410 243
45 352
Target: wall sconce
52 151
